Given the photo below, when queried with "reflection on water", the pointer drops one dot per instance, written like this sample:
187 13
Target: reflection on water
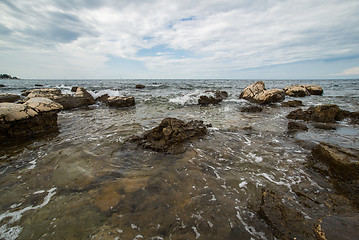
86 182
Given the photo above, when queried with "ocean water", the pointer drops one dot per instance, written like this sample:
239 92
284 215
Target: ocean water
86 182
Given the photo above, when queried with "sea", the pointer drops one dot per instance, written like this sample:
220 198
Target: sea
87 182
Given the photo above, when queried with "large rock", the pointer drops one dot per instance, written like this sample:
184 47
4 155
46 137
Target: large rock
322 113
68 101
344 227
171 135
35 116
212 97
257 93
285 221
9 98
120 102
303 90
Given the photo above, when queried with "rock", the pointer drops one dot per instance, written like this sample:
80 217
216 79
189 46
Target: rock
102 98
35 116
74 89
285 221
171 135
294 103
120 101
2 85
252 109
39 85
257 93
81 97
303 90
215 97
344 227
341 163
296 127
9 98
323 113
140 86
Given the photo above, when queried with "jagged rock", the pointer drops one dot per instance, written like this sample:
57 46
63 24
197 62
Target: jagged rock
344 227
171 135
102 98
294 103
35 116
286 221
252 109
257 93
303 90
296 127
215 97
140 86
322 113
120 101
81 97
9 98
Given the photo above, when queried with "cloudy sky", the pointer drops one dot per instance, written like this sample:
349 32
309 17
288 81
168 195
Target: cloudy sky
241 39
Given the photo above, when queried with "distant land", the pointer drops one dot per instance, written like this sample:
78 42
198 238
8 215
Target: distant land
7 76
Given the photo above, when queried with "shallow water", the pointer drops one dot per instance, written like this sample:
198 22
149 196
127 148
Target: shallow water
87 182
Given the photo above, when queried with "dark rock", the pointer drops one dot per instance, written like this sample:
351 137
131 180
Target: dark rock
344 227
2 85
140 86
215 97
252 109
341 163
120 102
171 135
322 113
9 98
296 127
37 115
285 221
257 93
102 98
39 85
294 103
74 89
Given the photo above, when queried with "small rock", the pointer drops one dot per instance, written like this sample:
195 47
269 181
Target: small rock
74 89
39 85
140 86
296 127
294 103
215 98
9 98
120 101
2 85
252 109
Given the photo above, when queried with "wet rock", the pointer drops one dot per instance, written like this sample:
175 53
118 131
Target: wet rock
140 86
38 115
74 89
345 227
9 98
257 93
341 163
215 97
286 222
252 109
2 85
171 135
39 85
296 127
303 90
102 98
294 103
68 101
120 102
323 113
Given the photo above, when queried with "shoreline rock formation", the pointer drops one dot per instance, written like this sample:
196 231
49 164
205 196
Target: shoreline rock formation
35 116
257 93
303 90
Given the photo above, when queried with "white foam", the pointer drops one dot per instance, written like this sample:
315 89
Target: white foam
196 232
188 99
33 164
242 184
251 230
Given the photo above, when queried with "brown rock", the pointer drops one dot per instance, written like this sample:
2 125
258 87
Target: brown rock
9 98
314 89
257 93
322 113
140 86
252 109
303 90
252 90
171 135
102 98
2 85
296 127
215 98
344 227
294 103
120 102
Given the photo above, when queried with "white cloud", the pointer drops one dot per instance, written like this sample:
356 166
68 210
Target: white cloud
219 35
348 72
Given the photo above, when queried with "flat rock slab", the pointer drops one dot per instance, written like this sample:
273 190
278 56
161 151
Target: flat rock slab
343 227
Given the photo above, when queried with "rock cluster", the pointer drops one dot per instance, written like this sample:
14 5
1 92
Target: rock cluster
303 90
213 97
37 115
257 93
171 135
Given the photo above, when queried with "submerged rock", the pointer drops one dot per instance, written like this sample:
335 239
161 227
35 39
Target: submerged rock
257 93
37 115
252 109
294 103
140 86
2 85
303 90
9 98
296 127
171 135
215 98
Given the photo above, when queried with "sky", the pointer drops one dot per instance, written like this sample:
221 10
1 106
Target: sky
205 39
